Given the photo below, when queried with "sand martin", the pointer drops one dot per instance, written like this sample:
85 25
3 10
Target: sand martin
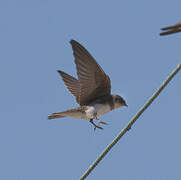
92 89
171 29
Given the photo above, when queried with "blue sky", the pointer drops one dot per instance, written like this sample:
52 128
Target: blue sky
123 36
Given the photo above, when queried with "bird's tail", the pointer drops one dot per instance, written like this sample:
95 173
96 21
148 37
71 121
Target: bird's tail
75 113
56 115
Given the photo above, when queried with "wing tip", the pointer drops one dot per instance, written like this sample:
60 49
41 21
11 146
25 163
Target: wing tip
72 41
170 32
61 72
75 43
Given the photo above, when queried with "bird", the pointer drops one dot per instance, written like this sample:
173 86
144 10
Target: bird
171 29
92 89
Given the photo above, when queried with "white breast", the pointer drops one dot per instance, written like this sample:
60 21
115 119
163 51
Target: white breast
90 112
101 109
96 110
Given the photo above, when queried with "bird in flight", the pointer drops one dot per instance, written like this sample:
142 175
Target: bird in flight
92 89
171 29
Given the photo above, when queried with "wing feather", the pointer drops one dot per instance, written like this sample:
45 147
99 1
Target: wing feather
72 84
94 82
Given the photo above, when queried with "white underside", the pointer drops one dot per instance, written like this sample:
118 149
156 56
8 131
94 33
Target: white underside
96 110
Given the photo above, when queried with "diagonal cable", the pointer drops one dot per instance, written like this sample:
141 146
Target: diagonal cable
131 122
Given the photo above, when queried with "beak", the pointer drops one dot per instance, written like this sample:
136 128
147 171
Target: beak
126 105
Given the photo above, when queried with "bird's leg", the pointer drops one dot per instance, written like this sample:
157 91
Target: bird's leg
101 122
95 126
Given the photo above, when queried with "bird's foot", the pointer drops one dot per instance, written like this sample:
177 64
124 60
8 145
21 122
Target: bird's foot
101 122
95 126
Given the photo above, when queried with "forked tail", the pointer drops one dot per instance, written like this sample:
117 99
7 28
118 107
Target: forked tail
75 113
56 115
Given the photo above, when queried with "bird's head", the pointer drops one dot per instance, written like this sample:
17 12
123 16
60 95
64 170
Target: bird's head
118 101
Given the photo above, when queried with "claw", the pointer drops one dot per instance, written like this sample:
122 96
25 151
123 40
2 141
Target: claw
95 126
102 122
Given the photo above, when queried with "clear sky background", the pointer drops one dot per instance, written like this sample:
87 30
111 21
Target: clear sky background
123 36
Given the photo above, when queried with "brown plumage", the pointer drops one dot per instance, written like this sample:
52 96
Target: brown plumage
171 29
92 89
94 82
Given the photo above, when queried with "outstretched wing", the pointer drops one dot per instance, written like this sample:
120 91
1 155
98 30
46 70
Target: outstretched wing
178 25
94 82
171 29
72 84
